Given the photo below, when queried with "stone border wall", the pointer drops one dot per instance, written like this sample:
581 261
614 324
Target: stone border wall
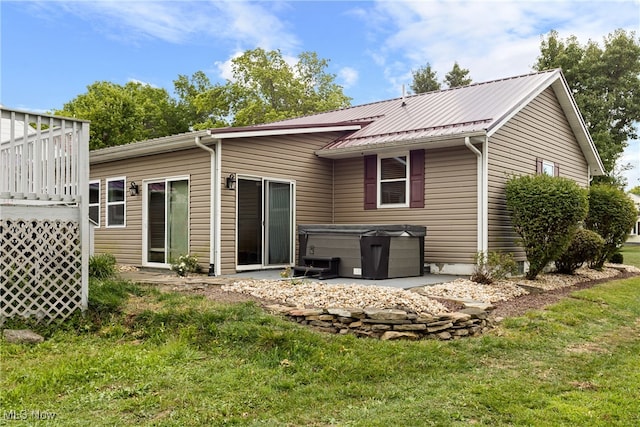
389 324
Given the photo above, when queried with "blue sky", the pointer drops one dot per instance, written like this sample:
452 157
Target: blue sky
52 50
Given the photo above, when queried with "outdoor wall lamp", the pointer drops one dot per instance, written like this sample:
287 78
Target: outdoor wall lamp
133 189
231 182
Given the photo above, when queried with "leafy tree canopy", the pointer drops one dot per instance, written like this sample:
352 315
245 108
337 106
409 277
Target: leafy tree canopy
605 82
123 114
635 190
264 88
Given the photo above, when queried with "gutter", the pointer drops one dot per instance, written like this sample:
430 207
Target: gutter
482 194
214 211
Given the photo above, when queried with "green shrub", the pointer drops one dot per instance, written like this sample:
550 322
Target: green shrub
616 258
185 264
545 211
585 246
102 266
494 266
612 215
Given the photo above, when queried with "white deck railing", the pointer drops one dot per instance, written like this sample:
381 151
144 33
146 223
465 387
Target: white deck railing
42 157
44 215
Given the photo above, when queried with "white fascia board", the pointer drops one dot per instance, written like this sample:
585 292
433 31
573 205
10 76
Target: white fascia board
553 77
145 148
283 131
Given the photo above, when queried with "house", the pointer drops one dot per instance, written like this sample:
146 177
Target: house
235 196
634 236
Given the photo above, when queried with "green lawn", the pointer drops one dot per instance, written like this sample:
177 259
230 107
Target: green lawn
631 254
141 357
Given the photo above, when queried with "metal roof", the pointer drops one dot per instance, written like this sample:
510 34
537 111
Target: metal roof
476 110
451 112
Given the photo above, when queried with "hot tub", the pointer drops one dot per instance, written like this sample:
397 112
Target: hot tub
366 251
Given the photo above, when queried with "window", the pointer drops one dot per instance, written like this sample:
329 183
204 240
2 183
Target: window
116 202
636 229
546 167
393 180
94 202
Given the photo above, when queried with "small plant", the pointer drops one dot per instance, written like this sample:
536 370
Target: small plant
288 274
616 258
102 266
185 264
585 246
493 266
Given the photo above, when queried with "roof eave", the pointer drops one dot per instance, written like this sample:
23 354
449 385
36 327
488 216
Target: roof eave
283 130
378 148
148 147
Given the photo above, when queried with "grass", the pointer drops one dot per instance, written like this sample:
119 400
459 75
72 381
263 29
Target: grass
631 254
141 357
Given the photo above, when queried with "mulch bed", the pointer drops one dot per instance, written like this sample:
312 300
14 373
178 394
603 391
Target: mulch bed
539 300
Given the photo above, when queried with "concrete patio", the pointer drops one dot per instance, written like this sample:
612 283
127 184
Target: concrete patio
158 276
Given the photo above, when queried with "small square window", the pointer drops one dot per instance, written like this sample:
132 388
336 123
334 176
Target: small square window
548 168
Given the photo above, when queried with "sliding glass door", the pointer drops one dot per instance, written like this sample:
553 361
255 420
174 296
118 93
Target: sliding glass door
264 223
166 220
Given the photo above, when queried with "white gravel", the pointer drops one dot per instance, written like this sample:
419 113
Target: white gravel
322 295
307 294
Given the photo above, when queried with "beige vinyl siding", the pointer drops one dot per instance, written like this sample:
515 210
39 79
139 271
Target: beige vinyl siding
449 214
540 130
126 243
286 158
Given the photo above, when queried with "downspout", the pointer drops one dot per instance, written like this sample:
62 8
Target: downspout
214 267
482 242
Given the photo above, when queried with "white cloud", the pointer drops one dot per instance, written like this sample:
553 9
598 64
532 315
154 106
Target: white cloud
143 83
348 76
248 25
492 39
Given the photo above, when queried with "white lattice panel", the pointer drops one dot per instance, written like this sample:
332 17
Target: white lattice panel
40 269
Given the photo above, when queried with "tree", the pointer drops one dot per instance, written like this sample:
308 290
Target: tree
635 190
605 83
457 76
123 114
546 212
266 88
205 105
424 80
612 215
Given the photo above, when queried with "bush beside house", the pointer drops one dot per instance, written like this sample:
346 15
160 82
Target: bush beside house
546 212
612 215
